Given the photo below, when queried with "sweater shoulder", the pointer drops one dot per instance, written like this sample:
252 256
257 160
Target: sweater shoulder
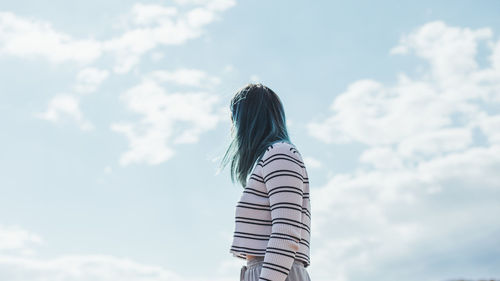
282 147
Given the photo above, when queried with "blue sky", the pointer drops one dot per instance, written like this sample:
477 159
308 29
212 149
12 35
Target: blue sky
114 116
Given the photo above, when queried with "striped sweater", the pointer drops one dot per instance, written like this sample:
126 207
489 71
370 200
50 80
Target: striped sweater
273 215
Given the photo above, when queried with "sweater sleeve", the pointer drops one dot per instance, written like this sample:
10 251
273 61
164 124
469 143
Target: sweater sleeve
283 177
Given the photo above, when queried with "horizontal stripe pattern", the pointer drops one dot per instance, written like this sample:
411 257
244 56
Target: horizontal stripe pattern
273 215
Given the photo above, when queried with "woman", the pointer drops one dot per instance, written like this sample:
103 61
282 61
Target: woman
273 216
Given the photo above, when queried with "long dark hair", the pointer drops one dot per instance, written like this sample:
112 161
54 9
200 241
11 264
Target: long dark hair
258 120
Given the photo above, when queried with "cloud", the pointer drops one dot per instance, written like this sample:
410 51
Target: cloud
448 97
185 77
145 14
81 267
14 239
157 56
168 118
94 267
89 79
440 51
65 106
212 5
423 192
147 26
17 266
160 26
31 38
312 162
386 221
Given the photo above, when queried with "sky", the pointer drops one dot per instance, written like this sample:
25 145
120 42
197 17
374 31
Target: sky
114 116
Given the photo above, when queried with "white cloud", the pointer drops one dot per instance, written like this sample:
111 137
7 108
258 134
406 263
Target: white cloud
185 77
213 5
374 155
439 44
199 17
387 220
144 14
28 38
95 267
167 119
312 162
426 195
16 240
439 141
490 126
65 106
371 113
79 267
428 110
17 266
495 55
399 50
157 56
147 27
89 79
159 26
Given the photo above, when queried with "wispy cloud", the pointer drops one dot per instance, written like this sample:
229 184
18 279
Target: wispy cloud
168 118
31 38
312 162
147 26
16 240
185 77
63 108
22 264
89 79
423 191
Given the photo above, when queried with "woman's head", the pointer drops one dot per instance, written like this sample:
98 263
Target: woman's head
258 120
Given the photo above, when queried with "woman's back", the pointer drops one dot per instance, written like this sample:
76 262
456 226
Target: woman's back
273 216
